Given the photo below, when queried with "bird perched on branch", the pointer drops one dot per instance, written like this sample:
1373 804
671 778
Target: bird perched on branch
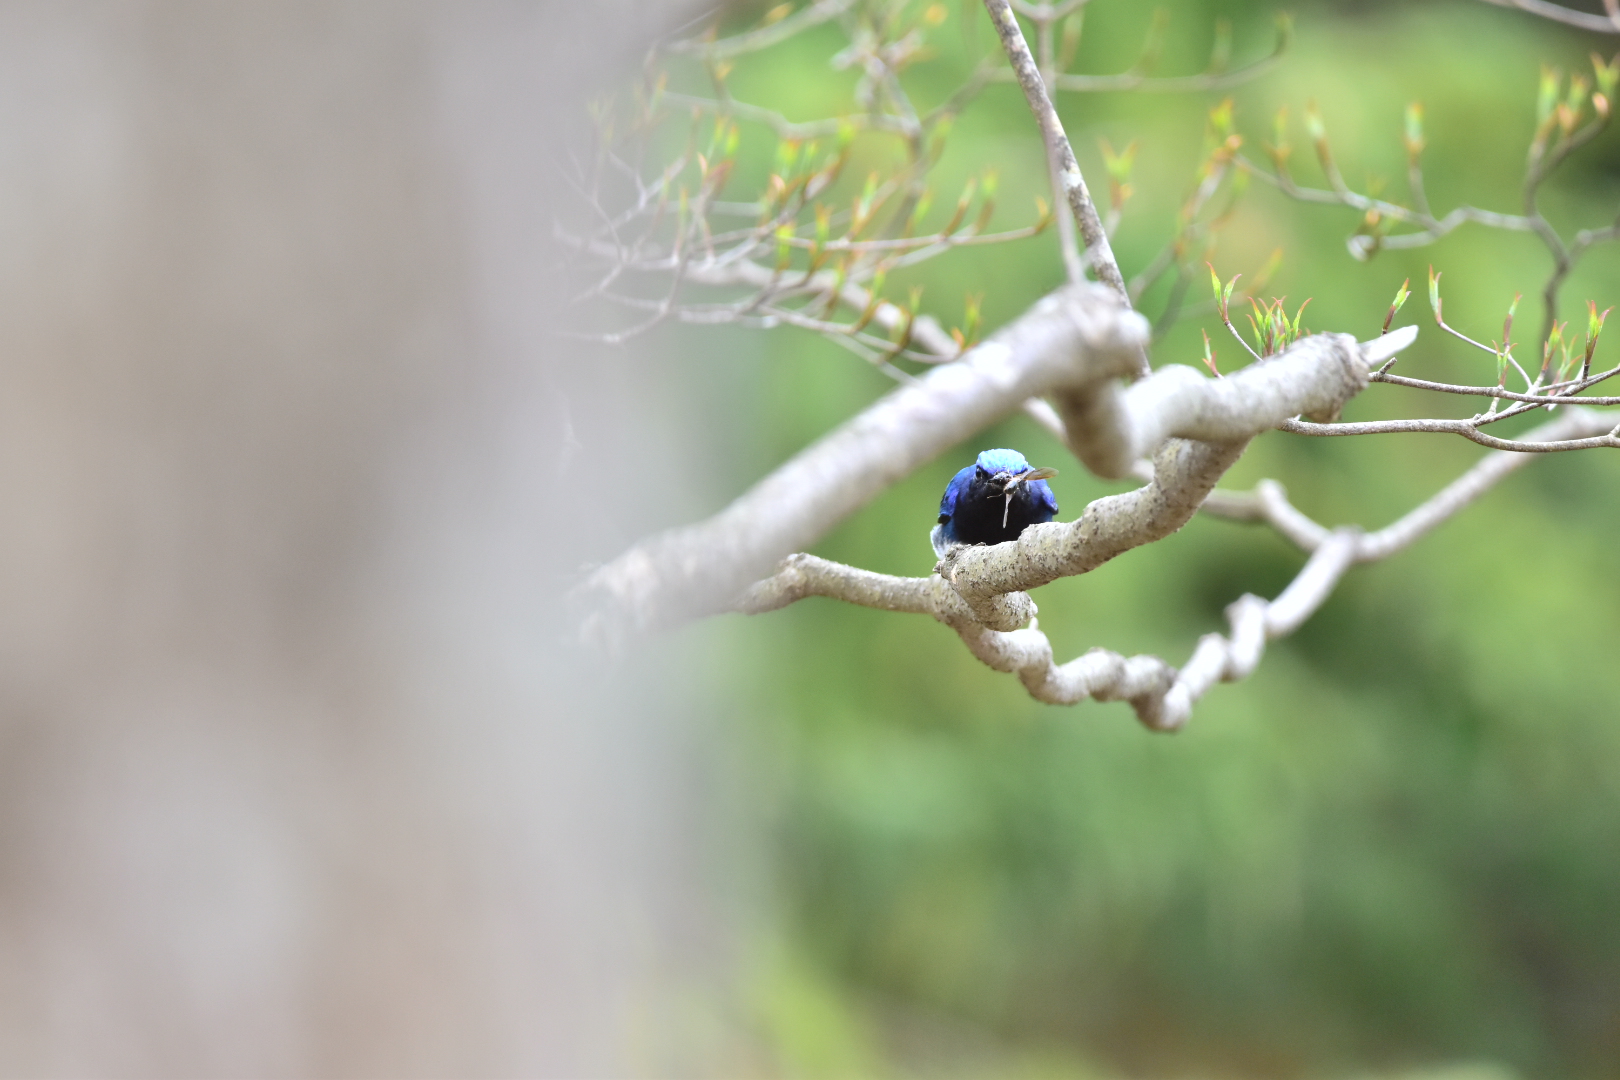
992 501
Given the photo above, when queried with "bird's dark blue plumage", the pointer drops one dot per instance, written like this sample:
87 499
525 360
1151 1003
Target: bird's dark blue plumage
991 501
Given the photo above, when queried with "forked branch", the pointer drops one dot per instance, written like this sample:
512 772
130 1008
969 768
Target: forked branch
1161 695
1075 337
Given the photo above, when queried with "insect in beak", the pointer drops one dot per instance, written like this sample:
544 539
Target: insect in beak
1023 477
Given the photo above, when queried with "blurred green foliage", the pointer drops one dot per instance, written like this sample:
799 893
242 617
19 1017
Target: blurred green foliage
1391 852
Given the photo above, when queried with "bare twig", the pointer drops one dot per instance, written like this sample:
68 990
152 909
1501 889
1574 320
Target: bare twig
1044 16
1551 394
1059 152
1161 696
1468 429
1138 80
781 125
763 37
1556 117
1602 24
1429 228
926 331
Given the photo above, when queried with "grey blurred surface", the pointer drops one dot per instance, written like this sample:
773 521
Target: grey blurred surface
295 778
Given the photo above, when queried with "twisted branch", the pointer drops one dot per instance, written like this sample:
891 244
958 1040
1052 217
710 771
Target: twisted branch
1076 336
1075 346
1161 696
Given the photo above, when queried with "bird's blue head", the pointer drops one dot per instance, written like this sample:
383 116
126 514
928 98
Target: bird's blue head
998 461
992 501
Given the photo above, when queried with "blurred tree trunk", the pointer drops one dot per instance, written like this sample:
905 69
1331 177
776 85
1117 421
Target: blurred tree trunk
295 778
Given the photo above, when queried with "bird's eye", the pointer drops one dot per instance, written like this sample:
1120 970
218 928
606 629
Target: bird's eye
982 470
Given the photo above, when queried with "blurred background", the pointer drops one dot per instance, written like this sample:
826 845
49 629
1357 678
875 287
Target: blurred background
303 775
299 775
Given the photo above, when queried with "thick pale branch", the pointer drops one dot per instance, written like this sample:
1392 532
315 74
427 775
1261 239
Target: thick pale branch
1111 427
972 581
1313 585
1075 345
1184 473
1162 696
1075 336
1099 674
925 329
1253 622
801 575
1268 502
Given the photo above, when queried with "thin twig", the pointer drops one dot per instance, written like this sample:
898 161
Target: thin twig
781 125
1602 24
1100 254
1468 429
765 36
1068 242
1555 394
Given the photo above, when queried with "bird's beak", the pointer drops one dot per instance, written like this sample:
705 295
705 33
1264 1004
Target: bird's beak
1010 481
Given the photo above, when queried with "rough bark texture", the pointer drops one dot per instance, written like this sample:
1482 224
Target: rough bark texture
1112 427
1077 336
1184 473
